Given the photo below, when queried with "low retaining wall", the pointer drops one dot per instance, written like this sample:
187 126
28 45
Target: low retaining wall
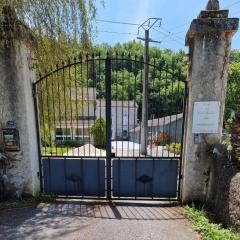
224 198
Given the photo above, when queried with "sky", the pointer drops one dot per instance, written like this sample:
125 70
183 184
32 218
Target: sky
176 17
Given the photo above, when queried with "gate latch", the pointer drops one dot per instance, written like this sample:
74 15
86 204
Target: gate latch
144 179
74 178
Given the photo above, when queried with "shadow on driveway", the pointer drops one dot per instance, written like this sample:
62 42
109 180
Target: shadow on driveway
72 219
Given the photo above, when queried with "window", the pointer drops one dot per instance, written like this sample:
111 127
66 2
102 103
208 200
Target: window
59 131
63 131
79 132
79 138
59 138
125 133
86 132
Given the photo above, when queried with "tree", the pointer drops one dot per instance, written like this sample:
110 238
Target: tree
98 131
233 90
60 26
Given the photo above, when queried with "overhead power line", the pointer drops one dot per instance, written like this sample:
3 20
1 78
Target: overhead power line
180 26
171 33
165 32
230 5
169 36
117 22
120 33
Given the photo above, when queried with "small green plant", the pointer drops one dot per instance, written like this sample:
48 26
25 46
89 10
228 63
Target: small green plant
98 131
45 198
174 148
226 143
28 201
207 230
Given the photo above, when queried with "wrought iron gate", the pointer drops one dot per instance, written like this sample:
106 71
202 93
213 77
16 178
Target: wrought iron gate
89 115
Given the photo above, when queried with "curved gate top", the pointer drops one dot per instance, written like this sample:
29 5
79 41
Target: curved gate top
94 118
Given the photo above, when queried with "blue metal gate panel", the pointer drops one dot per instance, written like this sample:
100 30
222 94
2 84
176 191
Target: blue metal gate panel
145 178
74 177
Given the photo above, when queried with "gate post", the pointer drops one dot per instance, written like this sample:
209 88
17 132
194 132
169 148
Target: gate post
209 41
16 102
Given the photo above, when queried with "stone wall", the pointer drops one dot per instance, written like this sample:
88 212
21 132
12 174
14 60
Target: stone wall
224 193
16 104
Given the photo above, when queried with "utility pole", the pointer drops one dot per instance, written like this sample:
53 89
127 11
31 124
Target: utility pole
146 26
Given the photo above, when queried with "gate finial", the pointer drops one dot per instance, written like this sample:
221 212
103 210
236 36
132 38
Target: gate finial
213 5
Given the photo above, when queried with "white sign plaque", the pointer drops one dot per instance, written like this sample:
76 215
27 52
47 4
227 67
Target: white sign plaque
206 117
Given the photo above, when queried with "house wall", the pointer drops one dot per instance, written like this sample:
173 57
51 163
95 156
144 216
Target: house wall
174 130
88 110
123 119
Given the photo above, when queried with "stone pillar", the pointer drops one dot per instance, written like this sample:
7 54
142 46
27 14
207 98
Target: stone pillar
16 100
209 41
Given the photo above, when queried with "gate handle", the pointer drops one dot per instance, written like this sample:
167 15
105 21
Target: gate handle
144 179
74 178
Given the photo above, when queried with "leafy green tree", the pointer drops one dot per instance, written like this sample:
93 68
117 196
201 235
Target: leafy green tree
233 90
98 131
60 26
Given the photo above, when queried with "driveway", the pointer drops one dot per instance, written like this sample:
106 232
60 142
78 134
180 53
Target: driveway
96 221
121 149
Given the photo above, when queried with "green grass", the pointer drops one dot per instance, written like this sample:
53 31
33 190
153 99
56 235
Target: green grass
207 230
40 198
55 150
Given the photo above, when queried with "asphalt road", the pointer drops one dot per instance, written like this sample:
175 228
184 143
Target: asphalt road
74 220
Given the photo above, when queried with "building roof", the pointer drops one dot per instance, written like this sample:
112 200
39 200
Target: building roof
161 121
118 103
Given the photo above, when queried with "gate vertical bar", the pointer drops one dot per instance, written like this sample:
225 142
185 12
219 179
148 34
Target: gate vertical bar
108 82
38 135
182 140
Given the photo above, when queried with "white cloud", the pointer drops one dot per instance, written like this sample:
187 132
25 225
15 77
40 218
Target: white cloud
142 10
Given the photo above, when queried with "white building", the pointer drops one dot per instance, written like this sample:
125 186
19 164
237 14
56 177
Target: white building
124 118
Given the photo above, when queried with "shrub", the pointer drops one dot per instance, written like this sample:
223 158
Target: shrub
174 148
72 143
98 131
162 139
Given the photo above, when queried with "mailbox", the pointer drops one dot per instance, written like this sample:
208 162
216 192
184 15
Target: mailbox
11 139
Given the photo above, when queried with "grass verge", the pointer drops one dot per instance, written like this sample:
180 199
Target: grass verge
29 201
207 230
